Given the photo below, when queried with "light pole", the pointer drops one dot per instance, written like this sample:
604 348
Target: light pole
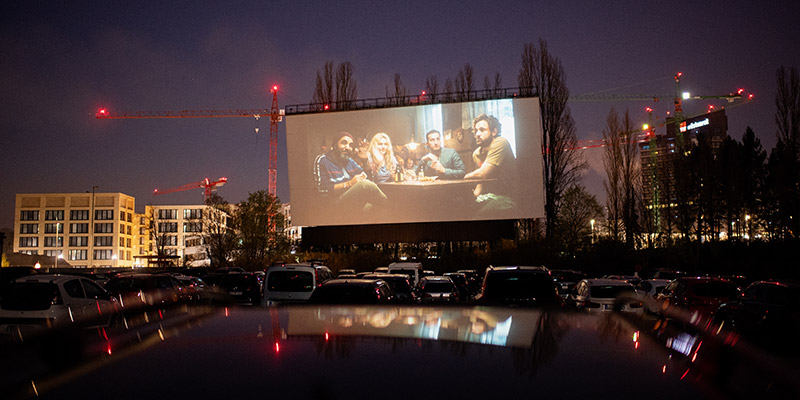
58 252
592 223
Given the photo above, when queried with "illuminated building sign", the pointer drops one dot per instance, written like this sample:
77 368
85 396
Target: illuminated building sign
693 125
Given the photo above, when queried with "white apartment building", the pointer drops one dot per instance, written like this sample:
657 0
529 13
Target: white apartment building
180 230
83 229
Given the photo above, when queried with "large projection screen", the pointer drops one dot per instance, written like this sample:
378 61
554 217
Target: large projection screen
378 166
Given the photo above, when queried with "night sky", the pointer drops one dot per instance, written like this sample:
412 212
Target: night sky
60 61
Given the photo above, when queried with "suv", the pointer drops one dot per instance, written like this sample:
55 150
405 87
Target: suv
294 282
41 301
399 284
519 286
412 269
604 294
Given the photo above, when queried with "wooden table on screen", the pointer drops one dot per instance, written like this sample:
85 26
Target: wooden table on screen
432 200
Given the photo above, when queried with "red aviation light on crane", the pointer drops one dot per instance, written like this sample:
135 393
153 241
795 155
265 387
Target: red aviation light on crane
102 111
649 109
740 91
274 88
326 107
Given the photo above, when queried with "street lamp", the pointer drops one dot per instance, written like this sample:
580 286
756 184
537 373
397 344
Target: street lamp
592 223
747 222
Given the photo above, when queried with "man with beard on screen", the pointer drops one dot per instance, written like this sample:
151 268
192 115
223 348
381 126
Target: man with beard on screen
495 160
340 178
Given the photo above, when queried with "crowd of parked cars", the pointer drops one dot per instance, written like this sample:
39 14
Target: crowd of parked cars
756 310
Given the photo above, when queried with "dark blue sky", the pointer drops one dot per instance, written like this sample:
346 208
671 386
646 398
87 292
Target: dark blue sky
60 62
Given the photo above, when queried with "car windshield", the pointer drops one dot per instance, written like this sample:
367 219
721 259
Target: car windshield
30 296
715 289
609 291
519 285
290 281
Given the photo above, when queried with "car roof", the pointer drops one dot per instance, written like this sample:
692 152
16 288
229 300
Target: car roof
524 268
48 278
352 282
606 282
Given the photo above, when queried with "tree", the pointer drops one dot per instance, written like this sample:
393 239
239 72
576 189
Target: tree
260 224
578 209
544 75
163 233
339 90
464 84
432 87
346 92
784 160
219 237
400 91
612 163
493 88
787 101
631 179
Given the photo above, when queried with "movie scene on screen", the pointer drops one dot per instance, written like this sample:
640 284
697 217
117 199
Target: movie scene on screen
466 161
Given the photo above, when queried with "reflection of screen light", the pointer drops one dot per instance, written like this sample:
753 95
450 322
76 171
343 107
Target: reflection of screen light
683 343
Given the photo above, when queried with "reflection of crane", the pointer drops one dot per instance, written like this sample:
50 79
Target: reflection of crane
206 184
275 116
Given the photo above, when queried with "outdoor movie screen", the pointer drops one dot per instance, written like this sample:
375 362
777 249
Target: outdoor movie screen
479 160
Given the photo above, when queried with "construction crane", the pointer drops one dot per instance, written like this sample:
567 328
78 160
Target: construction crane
275 115
206 184
648 133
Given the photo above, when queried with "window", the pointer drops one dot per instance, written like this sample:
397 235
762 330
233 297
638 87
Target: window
121 229
103 254
168 214
104 215
122 216
130 217
127 243
54 215
79 228
104 241
171 240
171 252
192 227
78 241
29 228
104 228
54 228
128 255
29 215
29 252
128 230
141 241
74 288
77 255
121 242
168 227
52 253
53 241
192 242
79 215
93 291
192 213
141 230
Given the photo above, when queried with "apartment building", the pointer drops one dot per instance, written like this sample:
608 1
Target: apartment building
83 229
179 232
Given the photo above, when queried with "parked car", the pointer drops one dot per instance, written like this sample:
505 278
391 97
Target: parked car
649 289
698 294
353 291
566 280
519 286
464 291
767 313
412 269
294 282
135 290
242 287
197 287
52 300
438 289
602 294
399 284
346 272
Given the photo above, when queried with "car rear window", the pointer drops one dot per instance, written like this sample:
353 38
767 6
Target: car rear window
438 287
519 285
290 281
30 296
715 289
609 291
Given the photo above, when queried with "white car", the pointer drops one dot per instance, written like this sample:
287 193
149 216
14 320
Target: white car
46 301
599 295
293 282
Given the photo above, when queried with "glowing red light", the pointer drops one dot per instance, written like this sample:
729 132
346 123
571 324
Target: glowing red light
648 109
325 107
327 336
103 111
664 369
423 93
750 97
684 374
740 91
108 348
277 347
275 88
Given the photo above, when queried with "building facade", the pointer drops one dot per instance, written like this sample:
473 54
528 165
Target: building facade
84 229
180 232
